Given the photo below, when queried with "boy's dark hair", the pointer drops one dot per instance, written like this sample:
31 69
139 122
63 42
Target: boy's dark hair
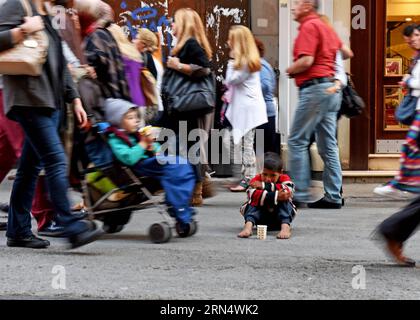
273 162
409 30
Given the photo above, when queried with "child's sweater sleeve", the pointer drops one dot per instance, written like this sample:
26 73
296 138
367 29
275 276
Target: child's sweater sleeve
268 196
130 156
287 184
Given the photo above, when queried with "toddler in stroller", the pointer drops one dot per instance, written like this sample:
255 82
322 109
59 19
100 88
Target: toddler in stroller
140 153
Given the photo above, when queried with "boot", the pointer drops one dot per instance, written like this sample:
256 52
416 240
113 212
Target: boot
208 187
197 200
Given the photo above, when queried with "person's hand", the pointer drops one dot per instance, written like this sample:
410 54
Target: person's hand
289 73
80 113
406 77
256 185
76 21
334 89
149 139
284 196
404 81
143 144
91 73
173 63
151 147
32 24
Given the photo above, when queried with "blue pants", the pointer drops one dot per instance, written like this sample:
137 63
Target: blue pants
42 149
177 178
282 214
316 114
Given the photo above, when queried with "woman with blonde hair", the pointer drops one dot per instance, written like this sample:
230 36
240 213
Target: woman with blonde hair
246 109
191 56
133 63
148 43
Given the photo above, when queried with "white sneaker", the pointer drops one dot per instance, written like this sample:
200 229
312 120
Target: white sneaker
391 192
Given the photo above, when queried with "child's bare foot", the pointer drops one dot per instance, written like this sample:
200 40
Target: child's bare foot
247 231
285 233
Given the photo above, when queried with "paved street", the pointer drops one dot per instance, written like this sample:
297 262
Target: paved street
316 263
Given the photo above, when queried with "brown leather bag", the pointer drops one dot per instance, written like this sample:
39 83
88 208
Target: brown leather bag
27 57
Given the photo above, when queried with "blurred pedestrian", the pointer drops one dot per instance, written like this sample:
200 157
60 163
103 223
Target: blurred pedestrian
101 49
269 85
246 108
400 227
148 43
11 135
191 57
36 103
406 185
314 69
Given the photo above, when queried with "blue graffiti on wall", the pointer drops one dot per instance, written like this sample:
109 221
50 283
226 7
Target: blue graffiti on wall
147 17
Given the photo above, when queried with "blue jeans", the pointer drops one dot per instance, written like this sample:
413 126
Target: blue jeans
42 149
282 214
177 179
316 113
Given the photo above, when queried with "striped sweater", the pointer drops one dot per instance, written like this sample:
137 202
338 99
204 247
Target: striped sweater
267 197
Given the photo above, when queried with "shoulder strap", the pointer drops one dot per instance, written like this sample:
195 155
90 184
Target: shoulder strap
27 7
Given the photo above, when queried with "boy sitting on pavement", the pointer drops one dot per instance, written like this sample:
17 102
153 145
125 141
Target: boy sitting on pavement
270 199
139 151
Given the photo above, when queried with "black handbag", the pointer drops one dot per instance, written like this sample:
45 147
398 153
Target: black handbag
352 104
184 94
406 112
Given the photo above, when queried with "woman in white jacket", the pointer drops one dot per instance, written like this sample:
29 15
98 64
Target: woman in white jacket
246 106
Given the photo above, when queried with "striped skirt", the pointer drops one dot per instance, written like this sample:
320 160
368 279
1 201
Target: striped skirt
409 177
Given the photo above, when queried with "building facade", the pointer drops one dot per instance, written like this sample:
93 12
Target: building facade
369 142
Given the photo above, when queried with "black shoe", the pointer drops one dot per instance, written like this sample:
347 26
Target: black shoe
86 237
52 230
324 204
30 242
4 207
3 226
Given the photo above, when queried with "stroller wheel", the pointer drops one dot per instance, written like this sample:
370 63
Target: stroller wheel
160 233
193 228
187 230
112 228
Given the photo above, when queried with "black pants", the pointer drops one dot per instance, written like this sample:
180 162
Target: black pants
272 139
401 226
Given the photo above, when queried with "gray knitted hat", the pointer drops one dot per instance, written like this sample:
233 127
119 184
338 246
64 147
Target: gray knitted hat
115 109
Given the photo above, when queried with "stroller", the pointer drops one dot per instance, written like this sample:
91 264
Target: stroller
112 192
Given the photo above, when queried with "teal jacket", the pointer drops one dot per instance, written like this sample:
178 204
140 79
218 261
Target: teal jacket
130 155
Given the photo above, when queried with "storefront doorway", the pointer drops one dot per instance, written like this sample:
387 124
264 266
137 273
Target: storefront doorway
395 63
381 59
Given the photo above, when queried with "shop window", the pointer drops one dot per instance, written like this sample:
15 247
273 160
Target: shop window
398 56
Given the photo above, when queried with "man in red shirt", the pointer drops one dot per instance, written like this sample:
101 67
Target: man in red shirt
314 68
